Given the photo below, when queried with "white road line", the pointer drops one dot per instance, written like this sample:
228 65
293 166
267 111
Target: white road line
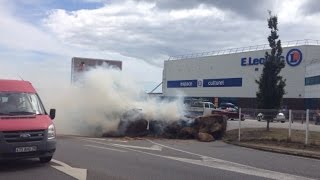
298 157
239 168
61 163
161 145
104 139
78 173
113 140
227 165
99 147
153 148
233 167
210 162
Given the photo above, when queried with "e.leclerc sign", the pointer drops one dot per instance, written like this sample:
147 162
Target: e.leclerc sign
293 58
182 84
228 82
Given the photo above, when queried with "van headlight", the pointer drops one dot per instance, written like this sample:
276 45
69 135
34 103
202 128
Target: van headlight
51 132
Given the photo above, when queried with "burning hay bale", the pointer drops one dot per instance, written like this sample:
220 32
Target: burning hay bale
205 137
205 128
171 130
111 134
214 125
134 128
182 129
132 124
157 128
187 133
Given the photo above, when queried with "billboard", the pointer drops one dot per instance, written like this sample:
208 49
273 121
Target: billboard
80 65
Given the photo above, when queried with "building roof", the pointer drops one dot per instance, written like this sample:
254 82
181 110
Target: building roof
16 86
244 49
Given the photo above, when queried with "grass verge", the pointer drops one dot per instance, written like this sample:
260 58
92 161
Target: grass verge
277 140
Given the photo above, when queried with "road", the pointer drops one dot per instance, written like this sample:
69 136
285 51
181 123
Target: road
99 158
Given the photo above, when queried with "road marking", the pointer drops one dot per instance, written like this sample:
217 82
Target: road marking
227 165
111 140
99 147
211 162
298 157
161 145
153 147
77 173
239 168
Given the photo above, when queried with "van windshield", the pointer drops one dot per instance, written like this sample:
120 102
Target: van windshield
13 103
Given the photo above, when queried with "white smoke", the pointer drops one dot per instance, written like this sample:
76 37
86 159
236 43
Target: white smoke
104 94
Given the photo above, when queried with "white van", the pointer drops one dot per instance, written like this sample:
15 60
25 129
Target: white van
200 108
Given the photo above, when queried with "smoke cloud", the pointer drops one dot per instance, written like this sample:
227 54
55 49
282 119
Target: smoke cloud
96 104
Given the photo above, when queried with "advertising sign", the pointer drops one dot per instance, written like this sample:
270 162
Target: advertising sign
80 65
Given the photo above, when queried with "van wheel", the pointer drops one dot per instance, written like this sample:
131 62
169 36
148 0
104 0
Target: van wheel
45 159
282 121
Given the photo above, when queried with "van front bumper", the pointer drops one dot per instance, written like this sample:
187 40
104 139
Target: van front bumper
45 148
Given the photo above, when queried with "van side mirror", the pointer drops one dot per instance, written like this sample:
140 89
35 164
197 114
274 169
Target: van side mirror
52 113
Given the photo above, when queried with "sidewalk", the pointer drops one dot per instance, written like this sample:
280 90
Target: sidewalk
283 150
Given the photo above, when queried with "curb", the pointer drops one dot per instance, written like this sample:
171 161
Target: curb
277 150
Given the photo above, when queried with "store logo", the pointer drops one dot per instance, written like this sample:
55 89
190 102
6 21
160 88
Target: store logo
200 83
294 57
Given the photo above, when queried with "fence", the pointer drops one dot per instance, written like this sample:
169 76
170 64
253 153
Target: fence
302 126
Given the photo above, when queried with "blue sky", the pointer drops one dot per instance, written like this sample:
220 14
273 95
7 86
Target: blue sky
141 33
34 10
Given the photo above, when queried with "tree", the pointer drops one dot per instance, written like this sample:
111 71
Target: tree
271 84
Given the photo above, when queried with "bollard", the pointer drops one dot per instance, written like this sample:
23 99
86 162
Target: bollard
290 122
307 127
239 133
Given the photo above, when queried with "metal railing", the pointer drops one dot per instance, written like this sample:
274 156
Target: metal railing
302 126
244 49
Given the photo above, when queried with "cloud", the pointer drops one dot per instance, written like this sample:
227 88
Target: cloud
141 31
248 8
154 30
17 34
311 7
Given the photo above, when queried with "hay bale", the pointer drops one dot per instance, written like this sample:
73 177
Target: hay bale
214 125
157 127
111 134
205 137
171 131
136 128
182 129
187 133
133 124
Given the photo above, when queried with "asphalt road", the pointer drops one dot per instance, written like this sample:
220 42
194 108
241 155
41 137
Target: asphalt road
91 158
